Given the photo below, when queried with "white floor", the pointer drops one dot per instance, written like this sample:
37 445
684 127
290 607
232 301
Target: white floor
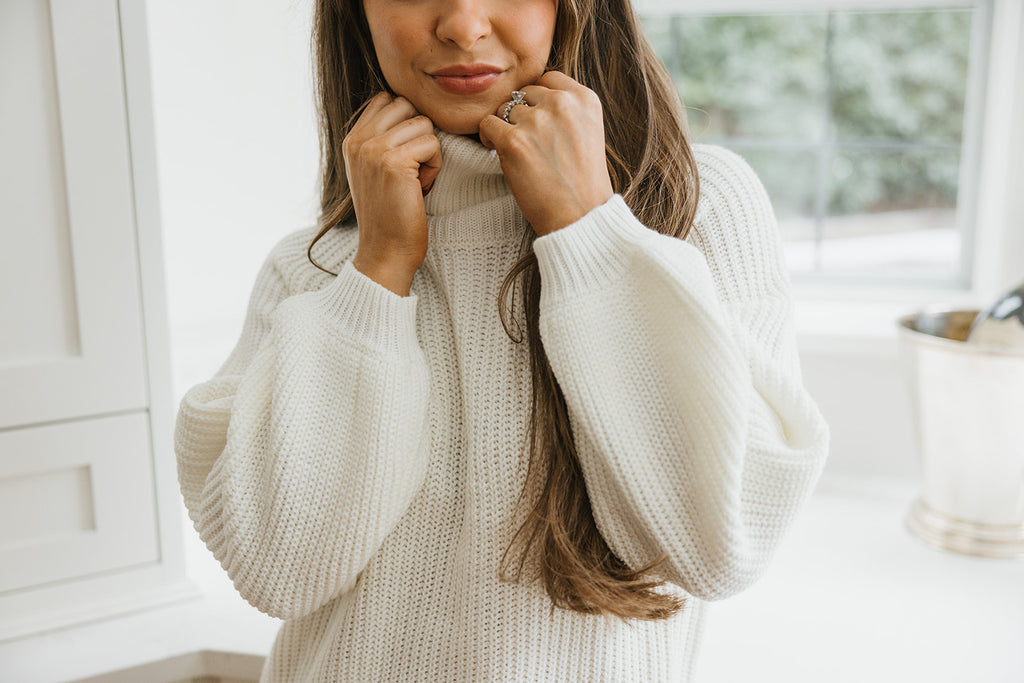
851 596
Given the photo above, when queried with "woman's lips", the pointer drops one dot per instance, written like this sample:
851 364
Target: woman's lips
466 85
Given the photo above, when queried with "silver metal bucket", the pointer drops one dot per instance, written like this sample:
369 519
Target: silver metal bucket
968 406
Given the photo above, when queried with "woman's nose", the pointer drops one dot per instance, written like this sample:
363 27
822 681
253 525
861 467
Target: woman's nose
463 22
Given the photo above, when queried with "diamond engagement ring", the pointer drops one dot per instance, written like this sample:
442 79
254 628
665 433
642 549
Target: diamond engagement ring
518 97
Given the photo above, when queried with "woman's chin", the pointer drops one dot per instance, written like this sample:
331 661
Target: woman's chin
464 122
459 127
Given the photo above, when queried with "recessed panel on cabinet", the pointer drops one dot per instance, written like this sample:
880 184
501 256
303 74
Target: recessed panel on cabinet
75 499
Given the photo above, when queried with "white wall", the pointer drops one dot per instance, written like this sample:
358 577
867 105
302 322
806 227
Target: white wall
237 156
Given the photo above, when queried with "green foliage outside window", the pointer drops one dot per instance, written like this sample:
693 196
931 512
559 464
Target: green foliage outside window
840 113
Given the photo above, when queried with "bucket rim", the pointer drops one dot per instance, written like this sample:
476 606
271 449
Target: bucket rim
904 322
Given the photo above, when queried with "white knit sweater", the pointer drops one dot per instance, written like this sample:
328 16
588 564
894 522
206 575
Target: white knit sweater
354 464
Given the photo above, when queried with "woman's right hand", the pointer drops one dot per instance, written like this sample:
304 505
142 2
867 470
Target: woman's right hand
391 159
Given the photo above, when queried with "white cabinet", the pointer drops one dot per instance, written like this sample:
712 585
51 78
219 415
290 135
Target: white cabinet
76 498
89 514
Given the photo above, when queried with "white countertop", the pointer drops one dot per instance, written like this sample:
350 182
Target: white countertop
851 596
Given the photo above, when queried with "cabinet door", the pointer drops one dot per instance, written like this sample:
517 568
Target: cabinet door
71 339
75 499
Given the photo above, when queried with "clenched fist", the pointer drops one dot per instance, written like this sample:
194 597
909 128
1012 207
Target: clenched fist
391 159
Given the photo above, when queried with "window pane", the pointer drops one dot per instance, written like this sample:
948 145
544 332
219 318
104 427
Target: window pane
854 121
897 214
727 70
790 177
900 75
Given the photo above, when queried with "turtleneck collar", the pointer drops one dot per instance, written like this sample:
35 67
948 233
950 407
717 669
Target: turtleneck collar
470 199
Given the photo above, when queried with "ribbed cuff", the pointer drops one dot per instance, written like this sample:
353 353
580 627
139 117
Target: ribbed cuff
590 253
372 314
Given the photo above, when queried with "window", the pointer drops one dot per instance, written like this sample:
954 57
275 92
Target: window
861 123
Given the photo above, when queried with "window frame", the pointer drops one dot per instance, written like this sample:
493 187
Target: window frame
861 319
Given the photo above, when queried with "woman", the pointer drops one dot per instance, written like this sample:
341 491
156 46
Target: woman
428 486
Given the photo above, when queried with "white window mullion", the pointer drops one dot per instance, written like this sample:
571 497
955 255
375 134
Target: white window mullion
999 214
971 155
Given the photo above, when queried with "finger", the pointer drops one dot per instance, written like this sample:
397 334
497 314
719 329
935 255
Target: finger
394 112
552 85
500 110
539 95
556 80
534 95
431 166
385 117
517 113
411 154
370 108
493 131
558 92
425 152
378 101
406 130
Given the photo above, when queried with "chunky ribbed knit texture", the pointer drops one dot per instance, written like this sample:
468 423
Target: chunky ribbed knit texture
355 463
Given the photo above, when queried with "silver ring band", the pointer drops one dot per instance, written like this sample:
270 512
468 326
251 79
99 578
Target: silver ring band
518 97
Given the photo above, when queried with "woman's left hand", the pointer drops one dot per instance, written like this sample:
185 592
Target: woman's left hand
552 154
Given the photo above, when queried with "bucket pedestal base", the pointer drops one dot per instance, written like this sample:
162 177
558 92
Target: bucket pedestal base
968 538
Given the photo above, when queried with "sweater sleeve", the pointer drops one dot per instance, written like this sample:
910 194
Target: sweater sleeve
679 366
301 454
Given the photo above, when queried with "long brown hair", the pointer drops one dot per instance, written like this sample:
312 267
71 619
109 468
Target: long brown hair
599 44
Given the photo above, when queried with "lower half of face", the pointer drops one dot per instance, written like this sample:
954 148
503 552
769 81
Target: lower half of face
415 41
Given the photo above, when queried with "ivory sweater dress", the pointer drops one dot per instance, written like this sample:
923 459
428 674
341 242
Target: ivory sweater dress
354 464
